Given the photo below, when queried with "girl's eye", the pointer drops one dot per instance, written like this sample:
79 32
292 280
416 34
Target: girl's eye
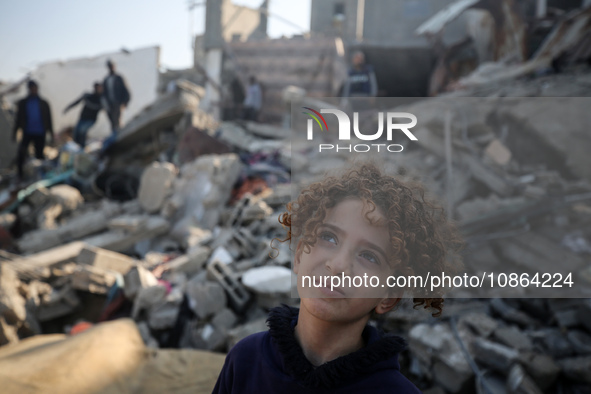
328 237
371 257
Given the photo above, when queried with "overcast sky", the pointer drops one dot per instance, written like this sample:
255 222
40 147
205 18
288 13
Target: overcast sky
34 32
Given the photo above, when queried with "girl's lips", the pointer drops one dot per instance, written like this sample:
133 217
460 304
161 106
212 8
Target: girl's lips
336 292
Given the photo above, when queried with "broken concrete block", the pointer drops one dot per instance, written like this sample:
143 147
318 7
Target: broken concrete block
224 320
156 185
146 298
190 263
454 378
483 324
67 196
556 344
519 382
120 241
190 236
241 332
205 299
136 279
105 259
89 222
498 152
39 197
268 280
513 337
205 337
234 289
577 368
129 223
163 315
255 211
281 195
12 304
38 240
42 262
92 279
494 355
542 368
510 314
581 341
59 303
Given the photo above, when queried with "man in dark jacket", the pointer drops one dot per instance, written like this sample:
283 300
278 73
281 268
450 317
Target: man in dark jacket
92 106
362 79
33 116
116 94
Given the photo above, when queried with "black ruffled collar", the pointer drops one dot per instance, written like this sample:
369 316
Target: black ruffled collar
379 348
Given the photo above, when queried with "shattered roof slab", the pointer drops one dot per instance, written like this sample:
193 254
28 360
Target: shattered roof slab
436 23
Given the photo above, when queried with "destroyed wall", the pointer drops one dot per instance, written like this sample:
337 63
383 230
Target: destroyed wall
62 82
385 23
240 22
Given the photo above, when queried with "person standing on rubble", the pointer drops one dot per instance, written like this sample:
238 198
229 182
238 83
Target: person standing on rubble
361 81
93 103
116 94
253 101
33 117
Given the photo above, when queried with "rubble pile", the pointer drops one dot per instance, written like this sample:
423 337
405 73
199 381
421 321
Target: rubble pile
501 346
178 230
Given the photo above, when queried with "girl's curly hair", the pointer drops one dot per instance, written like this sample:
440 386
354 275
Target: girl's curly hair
422 239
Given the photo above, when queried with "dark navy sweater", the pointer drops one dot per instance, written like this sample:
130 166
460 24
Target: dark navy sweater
273 362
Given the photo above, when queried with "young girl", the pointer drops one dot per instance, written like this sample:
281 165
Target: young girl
360 223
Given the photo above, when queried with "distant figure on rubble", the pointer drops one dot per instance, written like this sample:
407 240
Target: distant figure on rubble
33 116
361 81
116 94
253 101
93 103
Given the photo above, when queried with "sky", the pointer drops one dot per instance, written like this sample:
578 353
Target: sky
35 32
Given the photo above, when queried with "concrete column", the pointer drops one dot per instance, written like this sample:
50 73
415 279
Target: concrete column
213 67
541 8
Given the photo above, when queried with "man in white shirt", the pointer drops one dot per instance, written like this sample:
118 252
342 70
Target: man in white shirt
253 101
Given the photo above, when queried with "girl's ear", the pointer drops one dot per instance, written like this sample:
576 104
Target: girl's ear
386 305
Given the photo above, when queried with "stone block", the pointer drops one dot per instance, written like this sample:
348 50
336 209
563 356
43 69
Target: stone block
513 337
163 316
494 355
205 299
224 276
92 279
105 259
136 279
156 185
541 367
224 320
577 368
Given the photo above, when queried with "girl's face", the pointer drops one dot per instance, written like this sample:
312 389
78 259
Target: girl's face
351 245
